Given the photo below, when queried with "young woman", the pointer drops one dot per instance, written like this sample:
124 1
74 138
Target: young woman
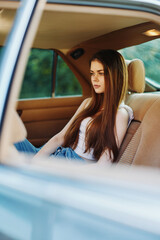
96 131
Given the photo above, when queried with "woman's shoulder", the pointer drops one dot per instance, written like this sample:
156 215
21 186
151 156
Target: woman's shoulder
121 124
122 115
87 101
125 106
126 110
84 104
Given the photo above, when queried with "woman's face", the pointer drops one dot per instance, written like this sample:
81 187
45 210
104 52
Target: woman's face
97 76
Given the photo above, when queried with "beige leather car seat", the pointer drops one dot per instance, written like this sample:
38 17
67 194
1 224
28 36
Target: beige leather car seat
141 145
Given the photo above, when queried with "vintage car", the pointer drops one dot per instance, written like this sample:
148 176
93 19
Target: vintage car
45 47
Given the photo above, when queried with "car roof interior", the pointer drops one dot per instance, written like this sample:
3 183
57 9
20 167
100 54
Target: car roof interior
62 27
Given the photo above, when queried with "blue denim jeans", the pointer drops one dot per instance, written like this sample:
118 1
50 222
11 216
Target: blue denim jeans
61 152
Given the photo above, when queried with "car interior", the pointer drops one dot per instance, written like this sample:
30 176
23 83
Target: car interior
75 33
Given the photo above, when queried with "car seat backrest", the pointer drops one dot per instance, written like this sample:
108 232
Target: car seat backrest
141 143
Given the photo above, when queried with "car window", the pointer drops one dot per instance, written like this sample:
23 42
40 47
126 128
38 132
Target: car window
149 53
37 81
1 50
47 75
66 82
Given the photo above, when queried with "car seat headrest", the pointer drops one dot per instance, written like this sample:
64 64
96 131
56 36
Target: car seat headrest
136 75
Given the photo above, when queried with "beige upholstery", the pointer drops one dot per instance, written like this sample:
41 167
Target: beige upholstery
143 147
127 152
136 75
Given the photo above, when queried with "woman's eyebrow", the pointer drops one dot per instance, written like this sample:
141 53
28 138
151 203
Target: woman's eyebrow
100 70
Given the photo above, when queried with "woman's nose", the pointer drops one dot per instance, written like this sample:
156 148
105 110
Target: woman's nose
95 77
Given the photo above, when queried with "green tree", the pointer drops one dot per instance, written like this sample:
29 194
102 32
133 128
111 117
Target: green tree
66 82
38 76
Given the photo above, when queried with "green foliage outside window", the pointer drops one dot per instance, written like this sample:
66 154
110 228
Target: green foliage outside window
1 51
149 53
37 81
66 83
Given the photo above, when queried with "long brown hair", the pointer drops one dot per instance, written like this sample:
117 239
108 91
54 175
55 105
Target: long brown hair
100 132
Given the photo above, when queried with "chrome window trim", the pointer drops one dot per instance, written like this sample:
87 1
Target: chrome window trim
150 6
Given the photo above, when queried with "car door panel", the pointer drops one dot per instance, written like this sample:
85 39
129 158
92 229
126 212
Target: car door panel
46 117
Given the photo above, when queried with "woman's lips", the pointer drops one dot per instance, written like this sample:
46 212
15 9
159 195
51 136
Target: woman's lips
96 86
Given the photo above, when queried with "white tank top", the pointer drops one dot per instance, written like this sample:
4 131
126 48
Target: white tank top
80 148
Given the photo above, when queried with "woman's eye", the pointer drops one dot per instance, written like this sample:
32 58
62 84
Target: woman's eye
101 73
98 74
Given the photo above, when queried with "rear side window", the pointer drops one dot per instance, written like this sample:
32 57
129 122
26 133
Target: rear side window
66 83
47 75
37 81
149 53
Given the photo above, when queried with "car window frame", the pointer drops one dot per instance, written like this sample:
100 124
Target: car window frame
13 62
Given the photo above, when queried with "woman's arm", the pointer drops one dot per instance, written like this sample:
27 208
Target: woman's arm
120 131
58 139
